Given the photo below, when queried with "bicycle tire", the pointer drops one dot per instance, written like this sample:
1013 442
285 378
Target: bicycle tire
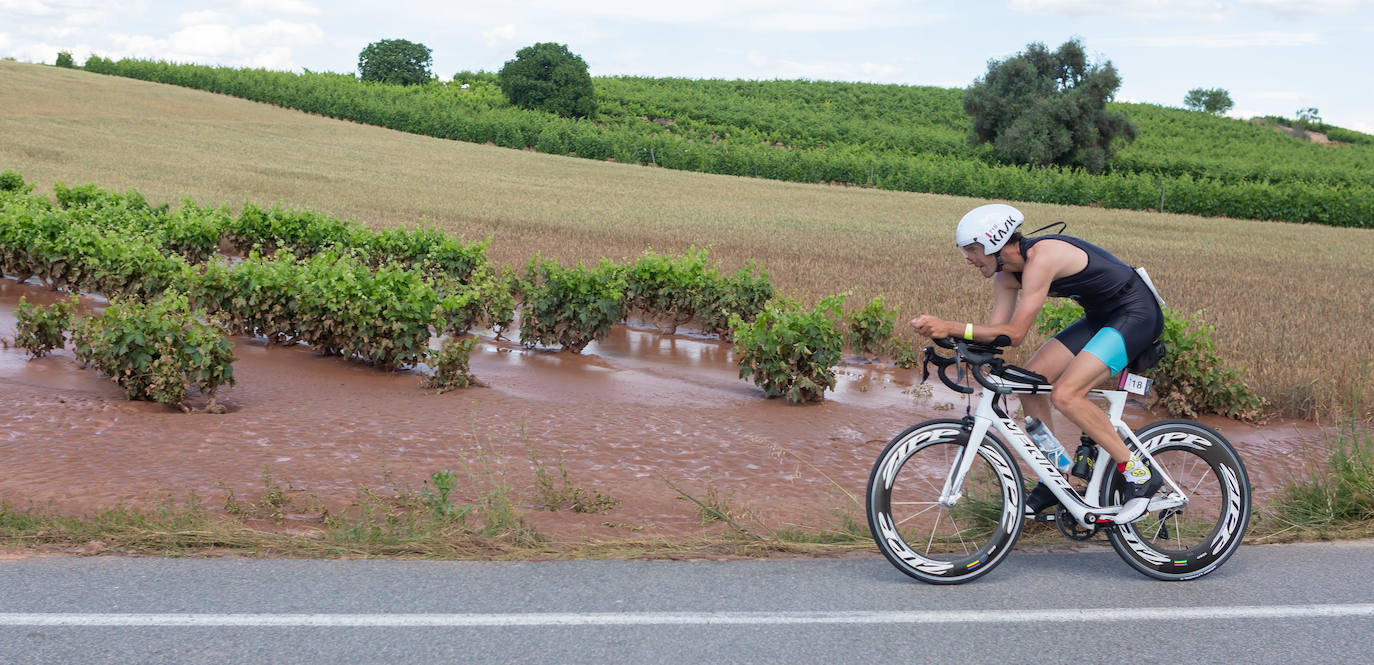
978 532
1197 539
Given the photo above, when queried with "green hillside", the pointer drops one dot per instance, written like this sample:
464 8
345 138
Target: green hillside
885 136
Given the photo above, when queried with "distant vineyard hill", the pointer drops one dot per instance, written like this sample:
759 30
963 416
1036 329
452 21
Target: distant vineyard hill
897 137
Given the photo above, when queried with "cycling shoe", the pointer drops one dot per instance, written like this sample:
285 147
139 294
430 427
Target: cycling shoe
1141 484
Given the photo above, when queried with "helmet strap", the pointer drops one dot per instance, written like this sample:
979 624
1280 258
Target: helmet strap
998 255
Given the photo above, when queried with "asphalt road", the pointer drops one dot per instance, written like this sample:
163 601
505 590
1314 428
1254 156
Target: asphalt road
1269 604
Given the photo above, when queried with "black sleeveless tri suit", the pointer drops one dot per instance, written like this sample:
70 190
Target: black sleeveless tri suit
1121 317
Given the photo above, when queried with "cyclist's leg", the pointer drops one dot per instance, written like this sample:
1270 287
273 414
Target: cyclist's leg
1048 362
1052 359
1070 396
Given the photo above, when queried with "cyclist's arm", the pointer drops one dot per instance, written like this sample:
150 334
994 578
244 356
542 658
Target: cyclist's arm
1034 289
1005 289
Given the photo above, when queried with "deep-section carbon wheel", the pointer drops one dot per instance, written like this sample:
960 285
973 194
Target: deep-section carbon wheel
932 542
1192 540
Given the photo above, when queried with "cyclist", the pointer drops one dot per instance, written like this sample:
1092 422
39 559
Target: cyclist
1121 320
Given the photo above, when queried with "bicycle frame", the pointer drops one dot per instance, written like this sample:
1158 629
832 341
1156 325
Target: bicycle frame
1085 509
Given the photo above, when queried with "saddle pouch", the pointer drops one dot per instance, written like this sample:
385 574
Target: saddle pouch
1148 358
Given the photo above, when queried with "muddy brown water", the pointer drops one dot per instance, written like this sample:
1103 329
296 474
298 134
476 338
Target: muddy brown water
632 414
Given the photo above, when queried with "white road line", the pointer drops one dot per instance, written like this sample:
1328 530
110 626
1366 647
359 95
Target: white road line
687 618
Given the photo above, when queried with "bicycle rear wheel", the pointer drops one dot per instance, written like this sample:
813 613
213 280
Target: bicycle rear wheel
932 542
1189 541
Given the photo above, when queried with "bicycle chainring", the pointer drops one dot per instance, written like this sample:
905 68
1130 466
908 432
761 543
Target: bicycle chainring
1070 526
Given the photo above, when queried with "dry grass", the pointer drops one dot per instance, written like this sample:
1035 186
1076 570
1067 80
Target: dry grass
1268 287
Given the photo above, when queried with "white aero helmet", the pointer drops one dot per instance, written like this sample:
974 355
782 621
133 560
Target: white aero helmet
989 225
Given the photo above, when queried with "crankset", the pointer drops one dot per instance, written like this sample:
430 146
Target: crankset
1070 526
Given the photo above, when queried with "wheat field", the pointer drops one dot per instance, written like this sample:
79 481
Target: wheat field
1292 304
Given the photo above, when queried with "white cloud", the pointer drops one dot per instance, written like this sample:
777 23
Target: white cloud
32 7
881 71
277 30
1152 11
5 40
42 52
57 33
1267 38
276 57
751 15
499 35
281 6
211 40
1309 8
86 17
266 45
207 16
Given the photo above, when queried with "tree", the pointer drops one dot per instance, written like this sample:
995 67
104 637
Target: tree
1043 108
549 77
395 61
1309 117
1215 101
64 59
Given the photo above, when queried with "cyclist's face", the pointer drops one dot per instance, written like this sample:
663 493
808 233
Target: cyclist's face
985 264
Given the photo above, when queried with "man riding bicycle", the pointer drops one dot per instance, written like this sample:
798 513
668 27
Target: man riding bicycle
1121 320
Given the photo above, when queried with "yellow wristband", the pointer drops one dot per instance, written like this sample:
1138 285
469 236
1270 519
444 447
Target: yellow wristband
968 331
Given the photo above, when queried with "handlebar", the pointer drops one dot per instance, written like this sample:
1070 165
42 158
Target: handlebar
976 354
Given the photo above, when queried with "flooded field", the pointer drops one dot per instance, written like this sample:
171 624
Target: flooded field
632 417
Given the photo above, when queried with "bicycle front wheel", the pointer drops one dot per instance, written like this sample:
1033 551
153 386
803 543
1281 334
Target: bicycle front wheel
930 541
1195 539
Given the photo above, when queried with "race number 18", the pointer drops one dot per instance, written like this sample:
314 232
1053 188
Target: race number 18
1134 383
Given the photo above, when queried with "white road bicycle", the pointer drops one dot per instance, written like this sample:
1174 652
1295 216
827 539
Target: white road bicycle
946 500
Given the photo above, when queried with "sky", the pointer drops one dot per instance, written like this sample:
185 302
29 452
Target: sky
1273 57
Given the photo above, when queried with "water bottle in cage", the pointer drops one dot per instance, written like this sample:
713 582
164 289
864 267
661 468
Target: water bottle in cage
1043 437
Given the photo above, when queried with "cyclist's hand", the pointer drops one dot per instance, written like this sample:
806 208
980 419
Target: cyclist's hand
931 326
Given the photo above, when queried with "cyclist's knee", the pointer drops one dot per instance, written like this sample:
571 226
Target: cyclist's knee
1063 396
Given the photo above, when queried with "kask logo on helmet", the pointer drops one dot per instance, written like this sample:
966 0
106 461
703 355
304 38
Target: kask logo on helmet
995 235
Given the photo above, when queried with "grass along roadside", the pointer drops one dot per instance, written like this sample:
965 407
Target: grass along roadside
473 513
814 240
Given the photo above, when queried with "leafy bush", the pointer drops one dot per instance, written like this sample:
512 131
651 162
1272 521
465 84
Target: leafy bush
331 301
345 309
741 295
549 77
64 59
157 350
257 297
668 290
487 302
304 232
396 61
194 232
1191 379
450 365
13 181
789 351
41 329
428 250
905 354
869 330
570 307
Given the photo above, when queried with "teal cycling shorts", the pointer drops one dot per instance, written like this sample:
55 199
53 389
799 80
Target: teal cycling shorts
1118 335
